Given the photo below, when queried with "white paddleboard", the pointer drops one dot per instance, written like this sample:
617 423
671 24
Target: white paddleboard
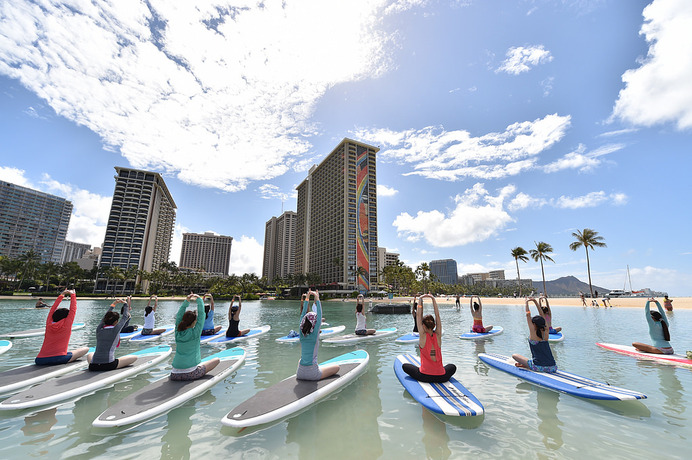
255 332
129 335
84 382
676 360
559 337
292 395
169 329
165 394
411 337
35 332
561 381
448 398
5 346
496 330
324 332
349 339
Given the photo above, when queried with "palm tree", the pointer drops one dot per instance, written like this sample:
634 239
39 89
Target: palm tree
519 253
423 273
29 261
360 272
541 254
589 239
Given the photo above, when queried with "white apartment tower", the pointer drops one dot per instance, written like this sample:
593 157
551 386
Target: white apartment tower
279 246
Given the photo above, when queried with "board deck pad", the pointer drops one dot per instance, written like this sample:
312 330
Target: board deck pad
169 329
129 335
496 330
448 398
165 394
561 381
254 332
676 360
5 346
35 332
83 382
292 395
352 338
22 377
324 332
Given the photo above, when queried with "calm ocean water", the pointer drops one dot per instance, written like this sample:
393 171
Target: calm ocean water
373 418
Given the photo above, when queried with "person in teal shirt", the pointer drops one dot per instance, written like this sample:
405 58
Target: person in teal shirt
658 331
310 322
188 330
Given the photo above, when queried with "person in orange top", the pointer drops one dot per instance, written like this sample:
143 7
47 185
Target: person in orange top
58 332
431 369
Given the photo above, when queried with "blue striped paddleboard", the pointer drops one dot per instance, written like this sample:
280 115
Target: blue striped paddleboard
350 339
5 346
496 330
448 398
255 332
556 337
561 381
129 335
324 332
35 332
169 329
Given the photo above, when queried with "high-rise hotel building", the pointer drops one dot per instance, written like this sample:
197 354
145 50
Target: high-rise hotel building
336 227
32 221
140 224
208 252
279 246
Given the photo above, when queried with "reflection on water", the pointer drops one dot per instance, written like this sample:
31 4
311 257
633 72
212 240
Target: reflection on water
435 437
40 422
550 423
176 440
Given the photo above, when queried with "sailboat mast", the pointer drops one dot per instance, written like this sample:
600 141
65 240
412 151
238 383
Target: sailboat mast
629 278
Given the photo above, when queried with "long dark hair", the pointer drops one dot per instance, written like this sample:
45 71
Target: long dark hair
429 322
476 306
657 317
189 317
147 310
359 308
60 314
539 322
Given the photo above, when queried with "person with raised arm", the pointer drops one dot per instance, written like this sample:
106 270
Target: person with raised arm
477 314
541 355
188 330
658 331
108 338
150 318
547 315
361 325
431 369
414 313
310 321
58 332
234 319
127 307
209 328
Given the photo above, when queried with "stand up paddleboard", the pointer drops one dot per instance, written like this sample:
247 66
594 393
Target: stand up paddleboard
5 346
556 337
448 398
496 330
21 377
676 360
165 394
256 332
34 332
292 395
349 339
411 337
129 335
169 329
84 382
561 381
324 332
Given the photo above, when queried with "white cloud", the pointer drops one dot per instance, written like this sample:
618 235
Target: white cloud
246 256
383 190
547 86
217 92
521 59
476 217
581 160
523 201
270 191
177 242
590 200
453 155
659 91
14 176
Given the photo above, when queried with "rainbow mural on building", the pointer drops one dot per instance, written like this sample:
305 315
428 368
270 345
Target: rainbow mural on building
362 238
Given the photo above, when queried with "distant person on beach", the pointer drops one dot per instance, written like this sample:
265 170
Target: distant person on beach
40 303
361 324
658 331
234 318
108 339
458 302
477 314
583 300
547 315
667 303
414 309
308 369
187 362
606 301
542 359
209 328
595 294
150 318
57 336
431 369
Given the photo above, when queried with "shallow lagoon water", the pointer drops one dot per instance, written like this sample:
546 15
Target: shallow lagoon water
373 417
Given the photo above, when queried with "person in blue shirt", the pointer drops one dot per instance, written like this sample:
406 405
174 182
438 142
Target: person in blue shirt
209 328
309 342
541 355
658 331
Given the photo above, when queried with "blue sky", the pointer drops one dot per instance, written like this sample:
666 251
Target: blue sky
500 123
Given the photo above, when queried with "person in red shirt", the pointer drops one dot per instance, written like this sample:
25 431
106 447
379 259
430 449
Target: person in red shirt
58 332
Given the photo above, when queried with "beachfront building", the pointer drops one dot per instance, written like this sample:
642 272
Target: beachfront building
385 259
32 221
139 230
336 226
279 246
206 252
89 259
444 270
71 251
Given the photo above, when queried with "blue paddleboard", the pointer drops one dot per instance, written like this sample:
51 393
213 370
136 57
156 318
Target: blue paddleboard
324 332
448 398
561 381
129 335
255 332
35 332
169 329
497 330
556 337
411 337
5 346
349 339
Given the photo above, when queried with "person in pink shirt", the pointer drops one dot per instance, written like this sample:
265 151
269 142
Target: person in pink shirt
58 332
